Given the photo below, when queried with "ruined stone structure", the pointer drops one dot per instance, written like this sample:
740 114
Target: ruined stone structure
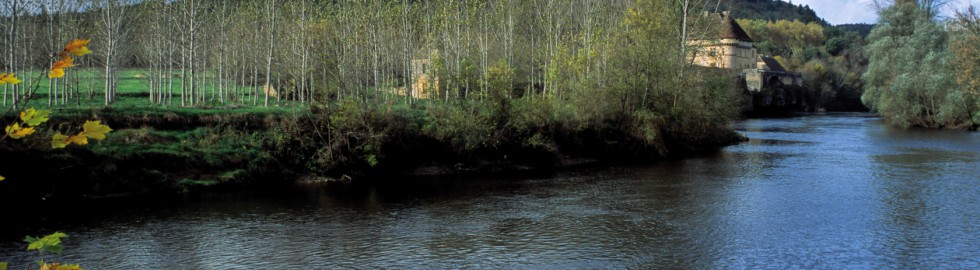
422 86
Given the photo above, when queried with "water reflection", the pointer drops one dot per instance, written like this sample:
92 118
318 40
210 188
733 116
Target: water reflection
920 190
817 191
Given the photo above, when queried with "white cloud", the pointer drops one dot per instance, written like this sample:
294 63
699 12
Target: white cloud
862 11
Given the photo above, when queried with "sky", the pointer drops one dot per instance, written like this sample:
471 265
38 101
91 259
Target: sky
862 11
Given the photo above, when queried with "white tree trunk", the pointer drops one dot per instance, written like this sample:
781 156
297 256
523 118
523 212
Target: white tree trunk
272 39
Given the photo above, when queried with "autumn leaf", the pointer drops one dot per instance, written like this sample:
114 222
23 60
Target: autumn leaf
78 47
56 73
8 78
58 266
59 140
2 178
95 130
79 138
33 117
65 62
15 131
58 68
80 51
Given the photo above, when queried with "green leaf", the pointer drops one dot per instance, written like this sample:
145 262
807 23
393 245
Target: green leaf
33 117
3 265
50 243
372 160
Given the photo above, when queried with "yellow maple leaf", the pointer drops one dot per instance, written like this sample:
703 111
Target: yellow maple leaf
65 62
56 73
61 140
2 178
15 131
80 51
95 130
8 78
78 47
79 138
33 117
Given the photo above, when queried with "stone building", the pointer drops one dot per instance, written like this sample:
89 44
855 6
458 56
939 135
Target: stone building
768 83
731 48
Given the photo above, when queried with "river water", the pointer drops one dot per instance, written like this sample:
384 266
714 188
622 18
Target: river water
823 191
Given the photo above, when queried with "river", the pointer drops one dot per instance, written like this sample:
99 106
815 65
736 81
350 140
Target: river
817 191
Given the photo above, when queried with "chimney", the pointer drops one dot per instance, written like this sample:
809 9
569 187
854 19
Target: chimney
726 13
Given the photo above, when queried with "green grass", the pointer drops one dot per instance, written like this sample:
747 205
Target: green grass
132 96
212 145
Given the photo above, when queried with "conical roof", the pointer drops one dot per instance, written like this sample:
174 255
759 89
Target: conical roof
727 27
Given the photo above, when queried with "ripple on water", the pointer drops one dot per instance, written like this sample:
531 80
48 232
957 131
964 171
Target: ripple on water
837 191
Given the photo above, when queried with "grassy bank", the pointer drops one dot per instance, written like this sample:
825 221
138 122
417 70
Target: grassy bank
180 150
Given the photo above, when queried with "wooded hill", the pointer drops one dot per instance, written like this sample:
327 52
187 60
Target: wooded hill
770 10
862 29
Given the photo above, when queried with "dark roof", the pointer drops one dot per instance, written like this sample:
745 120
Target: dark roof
728 27
772 63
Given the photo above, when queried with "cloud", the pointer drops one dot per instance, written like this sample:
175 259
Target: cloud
862 11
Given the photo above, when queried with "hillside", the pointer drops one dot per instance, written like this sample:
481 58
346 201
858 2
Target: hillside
770 10
862 29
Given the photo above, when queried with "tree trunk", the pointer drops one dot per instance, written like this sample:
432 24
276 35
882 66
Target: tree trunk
108 28
192 51
12 60
272 39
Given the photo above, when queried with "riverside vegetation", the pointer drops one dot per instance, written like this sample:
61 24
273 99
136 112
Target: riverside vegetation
922 73
527 85
331 89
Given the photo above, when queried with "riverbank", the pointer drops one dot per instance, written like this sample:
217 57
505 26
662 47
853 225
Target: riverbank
187 150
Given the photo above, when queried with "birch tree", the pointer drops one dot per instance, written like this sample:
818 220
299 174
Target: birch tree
114 15
270 14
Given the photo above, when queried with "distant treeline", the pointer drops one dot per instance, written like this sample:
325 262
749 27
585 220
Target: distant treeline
771 10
